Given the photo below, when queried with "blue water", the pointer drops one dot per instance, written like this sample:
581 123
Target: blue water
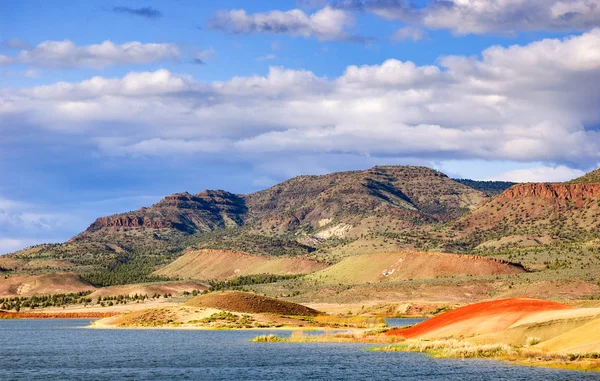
62 350
401 322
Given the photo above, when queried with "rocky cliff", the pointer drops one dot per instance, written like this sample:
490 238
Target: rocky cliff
181 211
557 192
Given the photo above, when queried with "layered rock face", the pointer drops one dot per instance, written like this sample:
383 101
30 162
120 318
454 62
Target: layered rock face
181 211
567 192
544 209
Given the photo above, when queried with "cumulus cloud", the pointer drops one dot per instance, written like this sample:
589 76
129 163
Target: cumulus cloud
65 54
409 33
540 174
536 102
487 16
325 24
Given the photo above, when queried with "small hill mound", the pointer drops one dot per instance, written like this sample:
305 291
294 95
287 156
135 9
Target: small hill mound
149 289
583 339
403 265
543 326
47 284
479 318
225 264
588 178
250 303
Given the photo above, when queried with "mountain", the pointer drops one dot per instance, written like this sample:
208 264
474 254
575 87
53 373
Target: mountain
330 217
297 217
532 214
351 231
409 193
184 212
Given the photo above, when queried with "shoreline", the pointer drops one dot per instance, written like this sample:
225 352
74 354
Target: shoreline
449 349
51 315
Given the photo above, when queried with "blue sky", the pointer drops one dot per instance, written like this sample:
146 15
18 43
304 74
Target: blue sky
107 107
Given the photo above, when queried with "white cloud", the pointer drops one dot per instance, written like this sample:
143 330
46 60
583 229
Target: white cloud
540 174
266 57
409 33
524 103
489 16
65 54
325 24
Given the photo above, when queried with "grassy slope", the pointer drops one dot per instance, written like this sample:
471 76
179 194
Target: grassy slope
403 265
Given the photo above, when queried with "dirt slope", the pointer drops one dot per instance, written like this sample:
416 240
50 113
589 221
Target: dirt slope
479 318
249 303
404 265
583 339
149 289
55 283
225 264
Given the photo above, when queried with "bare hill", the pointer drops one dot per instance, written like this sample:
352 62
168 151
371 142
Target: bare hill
403 265
250 303
56 283
583 339
479 318
149 289
224 264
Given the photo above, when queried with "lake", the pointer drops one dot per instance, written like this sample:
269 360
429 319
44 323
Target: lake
64 350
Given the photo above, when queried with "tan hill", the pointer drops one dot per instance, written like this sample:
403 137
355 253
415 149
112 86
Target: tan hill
250 303
56 283
224 265
544 326
583 339
403 265
149 289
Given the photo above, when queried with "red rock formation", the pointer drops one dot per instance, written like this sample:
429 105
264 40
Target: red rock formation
552 191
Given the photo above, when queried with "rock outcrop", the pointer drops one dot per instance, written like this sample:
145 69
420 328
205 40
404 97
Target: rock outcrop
558 191
181 211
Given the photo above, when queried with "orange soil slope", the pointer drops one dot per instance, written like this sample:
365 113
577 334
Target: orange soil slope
250 303
55 283
225 264
479 318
